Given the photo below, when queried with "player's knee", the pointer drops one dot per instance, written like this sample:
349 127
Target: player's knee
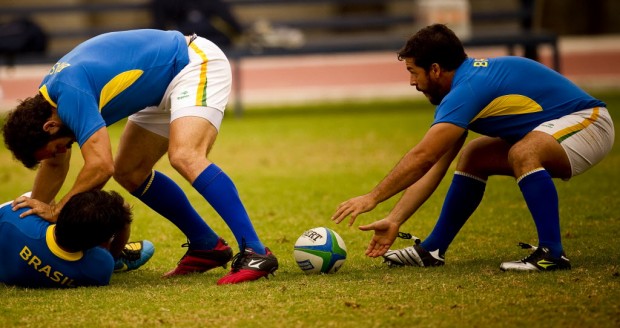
182 159
469 159
129 179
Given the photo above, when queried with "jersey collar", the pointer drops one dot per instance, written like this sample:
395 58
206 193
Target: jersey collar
56 250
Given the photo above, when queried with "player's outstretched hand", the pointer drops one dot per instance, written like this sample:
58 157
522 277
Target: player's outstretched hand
45 211
354 207
386 232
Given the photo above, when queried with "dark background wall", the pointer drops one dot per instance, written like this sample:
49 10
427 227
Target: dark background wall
574 17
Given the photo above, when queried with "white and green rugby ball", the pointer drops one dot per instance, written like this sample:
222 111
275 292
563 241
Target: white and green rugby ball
320 250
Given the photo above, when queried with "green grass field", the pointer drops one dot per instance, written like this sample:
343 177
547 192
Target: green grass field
292 167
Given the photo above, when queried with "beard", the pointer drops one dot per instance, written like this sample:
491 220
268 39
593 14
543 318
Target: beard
63 131
433 93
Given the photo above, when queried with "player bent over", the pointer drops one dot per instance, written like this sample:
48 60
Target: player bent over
78 250
536 125
174 90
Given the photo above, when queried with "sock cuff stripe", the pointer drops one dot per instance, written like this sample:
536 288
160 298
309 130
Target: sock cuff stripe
471 176
149 183
529 173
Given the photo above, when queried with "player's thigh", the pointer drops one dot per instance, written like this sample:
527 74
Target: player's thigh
538 149
191 139
138 151
485 156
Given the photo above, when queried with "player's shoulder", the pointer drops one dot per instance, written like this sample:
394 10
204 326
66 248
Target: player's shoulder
98 265
99 257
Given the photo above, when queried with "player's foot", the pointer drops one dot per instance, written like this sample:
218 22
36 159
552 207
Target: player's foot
413 256
249 266
196 260
539 260
134 255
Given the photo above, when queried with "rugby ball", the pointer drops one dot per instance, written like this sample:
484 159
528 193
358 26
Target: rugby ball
320 250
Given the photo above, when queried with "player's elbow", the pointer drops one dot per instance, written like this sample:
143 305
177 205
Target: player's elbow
107 170
103 171
425 160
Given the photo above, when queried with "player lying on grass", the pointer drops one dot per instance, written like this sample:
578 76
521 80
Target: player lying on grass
78 250
535 125
173 89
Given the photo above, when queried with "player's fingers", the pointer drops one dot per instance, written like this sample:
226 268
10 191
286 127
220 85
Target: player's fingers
367 227
340 212
352 219
379 250
20 203
339 216
370 247
26 213
382 250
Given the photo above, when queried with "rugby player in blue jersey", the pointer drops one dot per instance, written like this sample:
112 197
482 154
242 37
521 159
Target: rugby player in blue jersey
535 125
77 250
174 90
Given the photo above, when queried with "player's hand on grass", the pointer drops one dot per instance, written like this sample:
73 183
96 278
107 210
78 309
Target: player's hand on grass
386 232
45 211
354 207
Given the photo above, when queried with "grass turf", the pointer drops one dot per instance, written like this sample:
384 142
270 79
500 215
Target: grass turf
292 167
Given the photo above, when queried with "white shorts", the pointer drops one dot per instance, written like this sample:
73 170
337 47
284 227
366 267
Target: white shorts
587 136
200 89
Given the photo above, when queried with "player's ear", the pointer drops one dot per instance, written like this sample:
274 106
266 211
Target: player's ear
435 70
51 126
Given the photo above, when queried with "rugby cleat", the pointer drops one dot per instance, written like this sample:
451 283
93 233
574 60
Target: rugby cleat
539 260
248 266
134 255
196 260
413 256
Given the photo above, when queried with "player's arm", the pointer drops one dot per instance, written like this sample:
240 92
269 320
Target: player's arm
50 177
420 191
98 165
439 139
97 170
386 230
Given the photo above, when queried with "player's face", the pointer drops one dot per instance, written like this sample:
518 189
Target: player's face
54 147
60 141
422 81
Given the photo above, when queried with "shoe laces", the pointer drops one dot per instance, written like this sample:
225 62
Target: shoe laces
538 252
406 235
186 253
239 258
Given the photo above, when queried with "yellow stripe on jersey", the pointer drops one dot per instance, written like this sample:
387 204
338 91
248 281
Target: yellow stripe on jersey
569 131
117 85
56 250
509 105
46 95
201 93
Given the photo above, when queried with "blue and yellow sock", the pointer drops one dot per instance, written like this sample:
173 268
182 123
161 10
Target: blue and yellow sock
542 200
165 197
219 190
462 199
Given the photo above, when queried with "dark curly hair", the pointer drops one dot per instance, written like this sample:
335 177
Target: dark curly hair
434 44
91 218
23 129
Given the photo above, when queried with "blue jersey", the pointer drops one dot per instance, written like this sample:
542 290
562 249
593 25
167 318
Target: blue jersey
112 76
30 257
508 97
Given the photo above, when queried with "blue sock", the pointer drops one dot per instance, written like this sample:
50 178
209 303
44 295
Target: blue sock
165 197
219 190
462 199
541 198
